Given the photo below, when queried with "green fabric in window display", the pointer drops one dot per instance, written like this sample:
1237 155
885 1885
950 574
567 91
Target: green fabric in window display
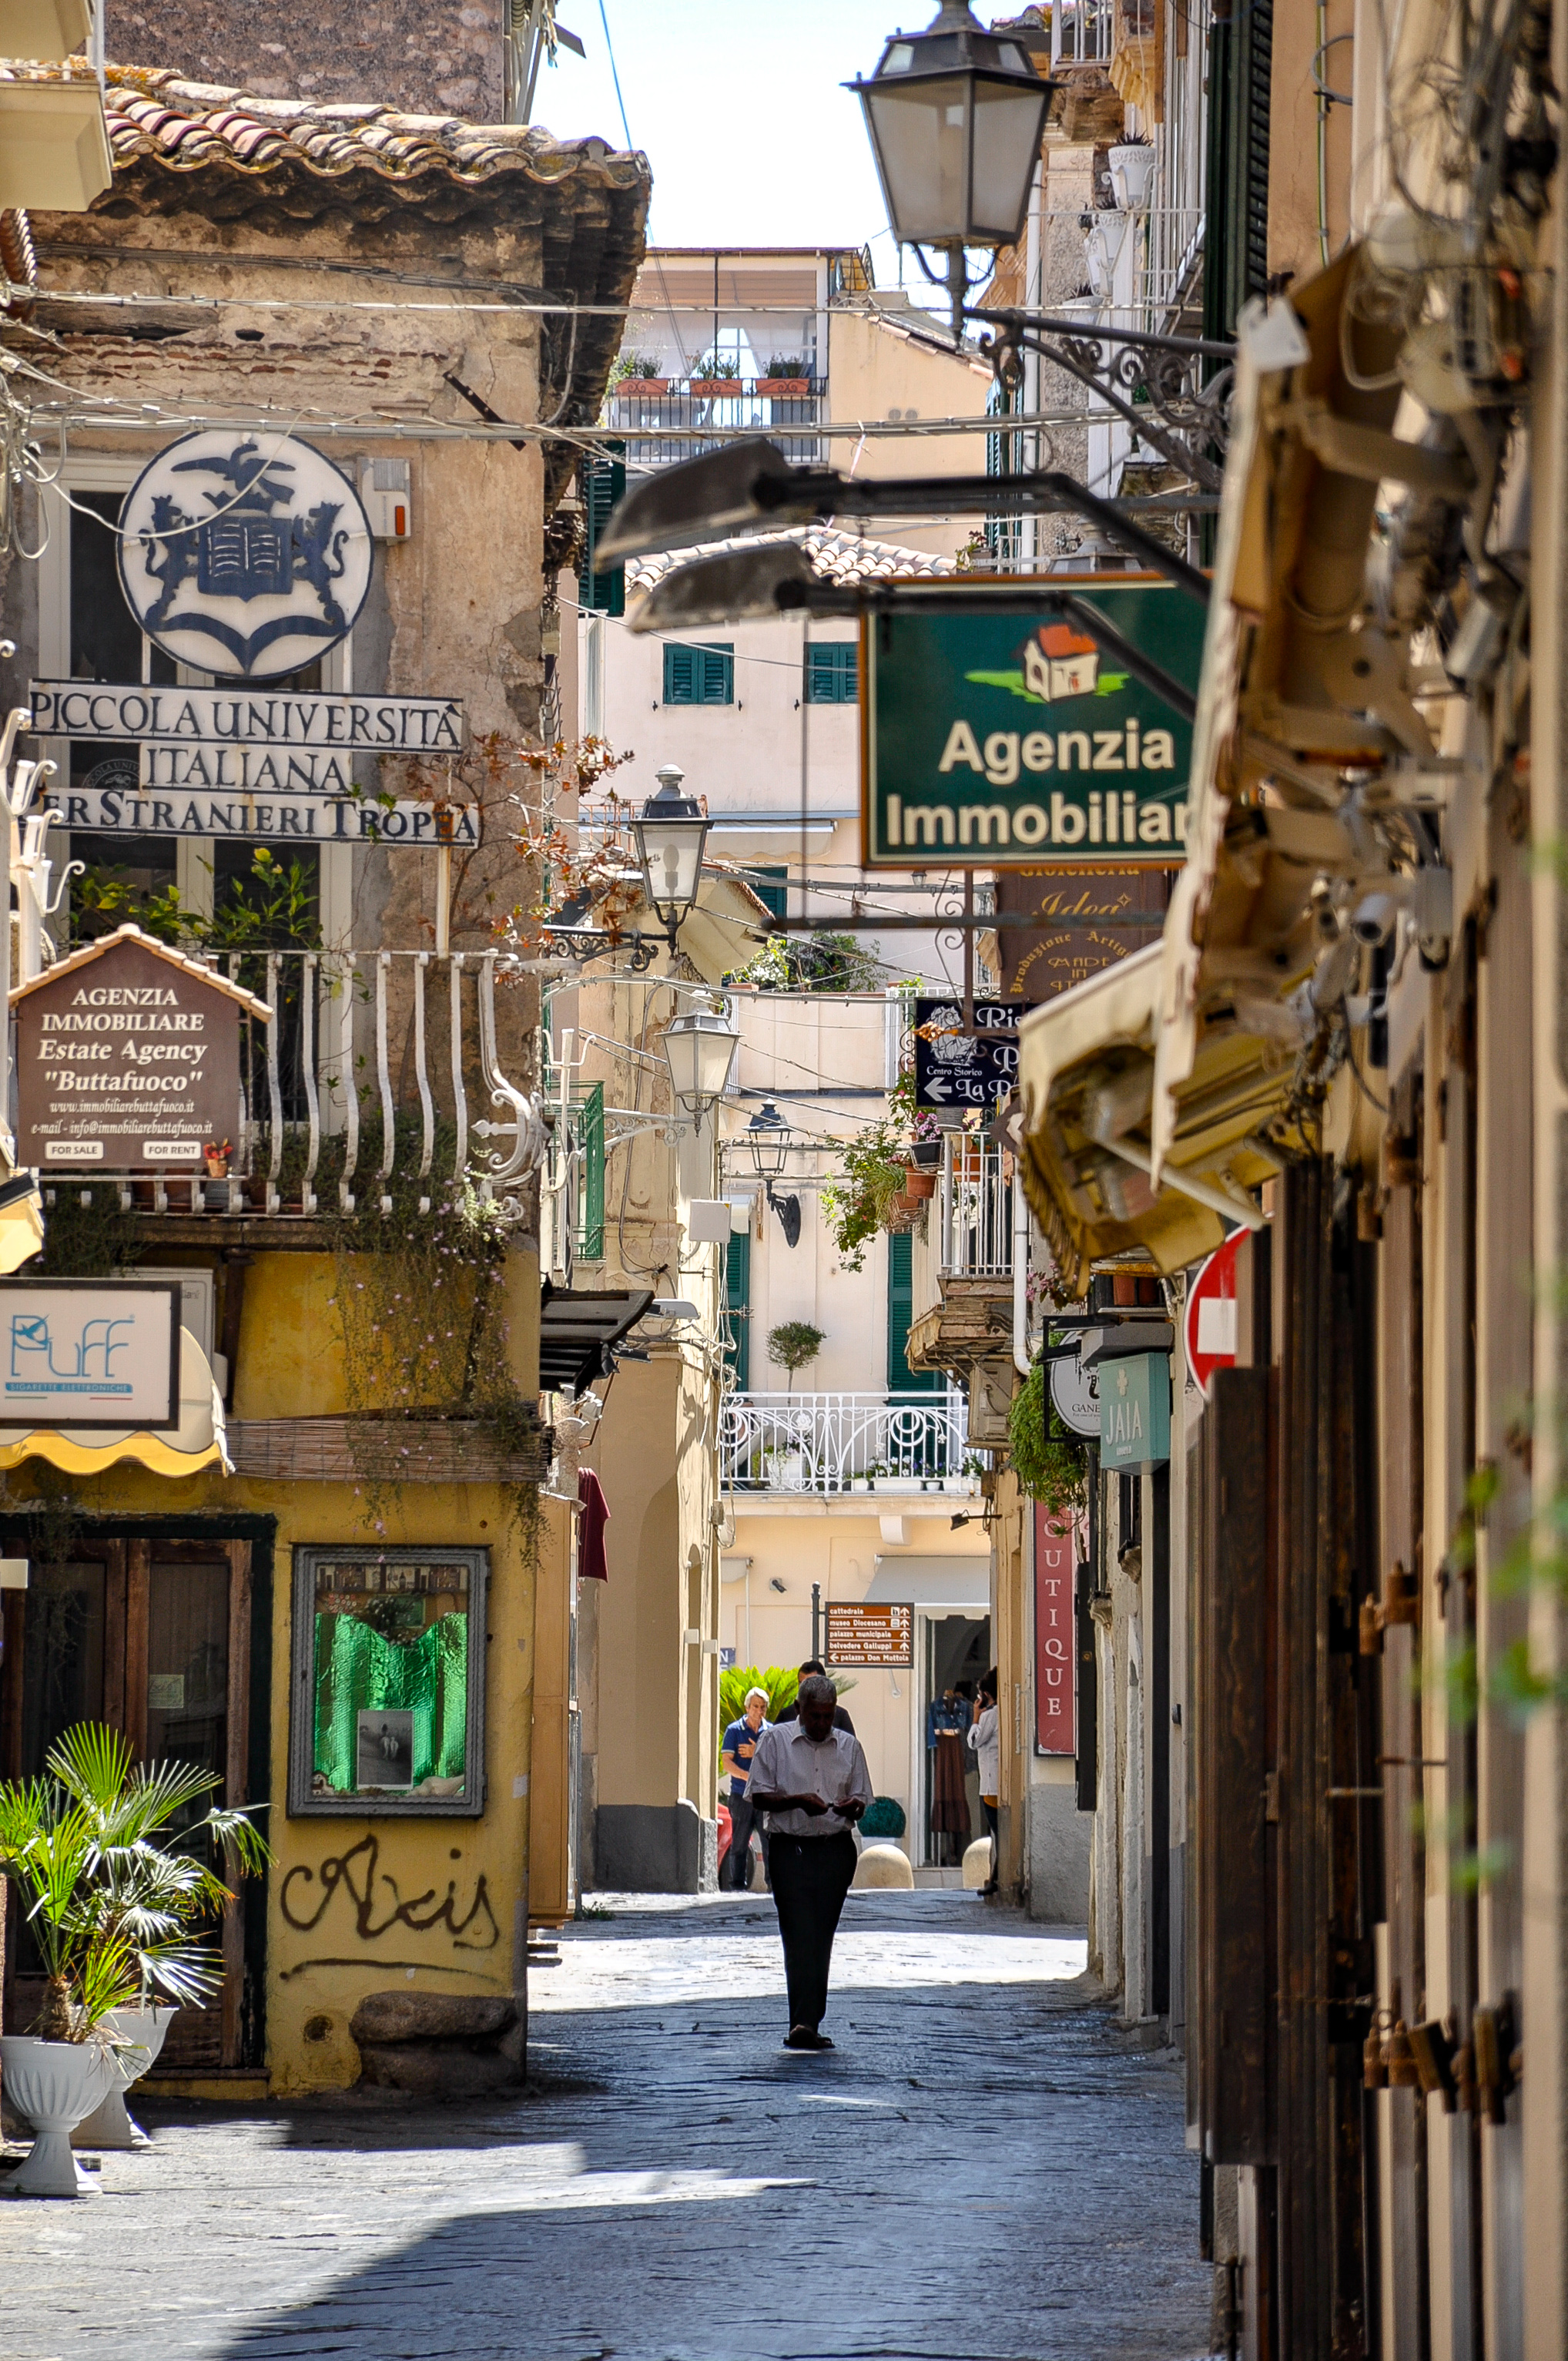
358 1670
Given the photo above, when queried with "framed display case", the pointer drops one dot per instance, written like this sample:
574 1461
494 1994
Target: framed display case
387 1703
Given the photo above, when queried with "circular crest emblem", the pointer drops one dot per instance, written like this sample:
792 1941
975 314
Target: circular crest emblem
244 556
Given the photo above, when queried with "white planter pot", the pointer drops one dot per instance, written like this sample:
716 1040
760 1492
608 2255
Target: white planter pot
109 2124
55 2084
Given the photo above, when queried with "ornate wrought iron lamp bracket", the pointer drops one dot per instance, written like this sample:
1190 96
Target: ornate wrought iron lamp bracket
1156 384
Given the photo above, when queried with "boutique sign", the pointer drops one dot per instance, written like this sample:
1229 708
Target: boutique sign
990 742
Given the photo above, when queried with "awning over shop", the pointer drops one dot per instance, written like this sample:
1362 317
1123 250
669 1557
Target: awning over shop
199 1441
576 1330
1158 1092
1086 1065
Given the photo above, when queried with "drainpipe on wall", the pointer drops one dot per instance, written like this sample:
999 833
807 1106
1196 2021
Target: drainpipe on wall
1020 1278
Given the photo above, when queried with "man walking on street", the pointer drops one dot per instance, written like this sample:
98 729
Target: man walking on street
792 1712
812 1781
739 1746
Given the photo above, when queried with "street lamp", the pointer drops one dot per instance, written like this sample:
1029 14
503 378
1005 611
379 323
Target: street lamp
956 116
700 1049
768 1135
670 835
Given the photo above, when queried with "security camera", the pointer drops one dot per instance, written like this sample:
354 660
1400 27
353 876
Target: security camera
1376 917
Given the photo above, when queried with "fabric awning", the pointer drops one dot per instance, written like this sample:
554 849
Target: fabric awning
199 1441
1085 1069
576 1330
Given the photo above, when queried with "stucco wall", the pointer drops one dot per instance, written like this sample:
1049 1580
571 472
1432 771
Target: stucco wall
442 58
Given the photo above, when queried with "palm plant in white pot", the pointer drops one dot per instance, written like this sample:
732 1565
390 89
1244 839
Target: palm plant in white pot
113 1907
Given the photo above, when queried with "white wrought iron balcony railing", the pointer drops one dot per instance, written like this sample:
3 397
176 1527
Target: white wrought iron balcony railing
844 1442
975 1210
378 1072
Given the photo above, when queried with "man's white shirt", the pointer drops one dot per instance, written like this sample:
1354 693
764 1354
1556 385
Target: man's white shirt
788 1763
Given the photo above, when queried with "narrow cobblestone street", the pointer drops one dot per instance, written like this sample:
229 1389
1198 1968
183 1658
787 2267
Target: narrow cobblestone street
984 2170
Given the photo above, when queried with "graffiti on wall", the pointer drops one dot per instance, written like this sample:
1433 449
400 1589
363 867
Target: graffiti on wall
379 1906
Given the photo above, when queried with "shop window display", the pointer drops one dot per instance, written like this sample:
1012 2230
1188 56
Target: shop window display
388 1680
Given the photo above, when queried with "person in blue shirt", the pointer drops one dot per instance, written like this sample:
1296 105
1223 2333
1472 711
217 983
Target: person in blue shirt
735 1762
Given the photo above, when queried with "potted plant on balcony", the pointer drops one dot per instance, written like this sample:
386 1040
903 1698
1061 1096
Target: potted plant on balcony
637 373
787 375
716 374
113 1908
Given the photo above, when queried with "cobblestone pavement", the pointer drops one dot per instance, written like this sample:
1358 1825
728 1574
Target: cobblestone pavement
984 2170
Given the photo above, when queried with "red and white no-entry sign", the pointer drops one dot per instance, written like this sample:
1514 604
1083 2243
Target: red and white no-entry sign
1208 1330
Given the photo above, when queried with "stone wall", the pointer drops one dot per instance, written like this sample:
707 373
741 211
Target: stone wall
445 57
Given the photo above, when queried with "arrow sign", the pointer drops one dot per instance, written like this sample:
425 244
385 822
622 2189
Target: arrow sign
1208 1330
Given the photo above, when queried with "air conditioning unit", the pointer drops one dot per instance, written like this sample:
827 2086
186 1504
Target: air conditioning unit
385 489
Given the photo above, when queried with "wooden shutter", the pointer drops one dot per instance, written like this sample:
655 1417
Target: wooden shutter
832 673
900 1378
604 489
1236 264
680 674
717 676
737 1307
1228 1881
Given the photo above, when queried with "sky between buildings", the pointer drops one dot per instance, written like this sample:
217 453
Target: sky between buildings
738 106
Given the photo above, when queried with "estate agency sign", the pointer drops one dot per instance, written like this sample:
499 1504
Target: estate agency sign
990 742
81 1352
869 1635
127 1060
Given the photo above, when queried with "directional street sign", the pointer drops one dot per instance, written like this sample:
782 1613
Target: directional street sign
953 1069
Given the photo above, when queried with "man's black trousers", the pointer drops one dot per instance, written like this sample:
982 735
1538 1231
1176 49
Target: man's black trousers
743 1818
810 1878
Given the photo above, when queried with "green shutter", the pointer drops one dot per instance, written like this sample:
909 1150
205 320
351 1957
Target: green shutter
587 1118
604 489
737 1307
832 672
1235 235
900 1378
773 897
699 675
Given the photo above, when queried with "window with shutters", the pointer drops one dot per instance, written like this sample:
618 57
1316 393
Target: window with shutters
588 1130
700 675
770 882
601 590
832 672
900 1378
737 1323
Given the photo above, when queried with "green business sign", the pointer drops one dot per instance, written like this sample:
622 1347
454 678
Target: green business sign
1135 1411
999 742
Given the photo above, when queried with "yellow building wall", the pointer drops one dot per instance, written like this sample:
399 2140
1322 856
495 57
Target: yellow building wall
359 1904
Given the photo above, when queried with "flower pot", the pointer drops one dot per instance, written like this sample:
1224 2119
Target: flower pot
55 2084
640 385
109 2125
722 385
927 1156
918 1185
860 1482
794 386
786 1471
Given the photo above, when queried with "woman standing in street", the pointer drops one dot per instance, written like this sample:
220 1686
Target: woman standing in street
985 1745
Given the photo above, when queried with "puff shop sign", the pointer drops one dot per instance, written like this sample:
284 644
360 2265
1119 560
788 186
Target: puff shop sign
243 557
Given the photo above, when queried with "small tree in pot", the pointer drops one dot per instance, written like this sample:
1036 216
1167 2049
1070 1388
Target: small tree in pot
791 1345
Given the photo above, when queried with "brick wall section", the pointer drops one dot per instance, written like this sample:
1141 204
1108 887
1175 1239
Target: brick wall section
440 57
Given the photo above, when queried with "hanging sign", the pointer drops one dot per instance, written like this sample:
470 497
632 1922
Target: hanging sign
1135 1411
242 555
256 718
81 1353
990 742
126 810
1075 1394
869 1635
127 1060
1209 1326
1056 1690
953 1069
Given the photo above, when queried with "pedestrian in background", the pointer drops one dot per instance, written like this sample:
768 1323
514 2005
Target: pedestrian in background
812 1670
985 1745
812 1781
735 1759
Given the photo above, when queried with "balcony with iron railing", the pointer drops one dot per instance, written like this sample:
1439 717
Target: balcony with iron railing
664 420
963 1310
376 1082
844 1442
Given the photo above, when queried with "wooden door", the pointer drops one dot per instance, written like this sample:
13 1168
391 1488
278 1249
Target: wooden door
150 1635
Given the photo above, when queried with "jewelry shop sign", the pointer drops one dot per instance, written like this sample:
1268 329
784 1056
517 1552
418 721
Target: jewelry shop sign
77 1353
990 742
127 1060
870 1635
